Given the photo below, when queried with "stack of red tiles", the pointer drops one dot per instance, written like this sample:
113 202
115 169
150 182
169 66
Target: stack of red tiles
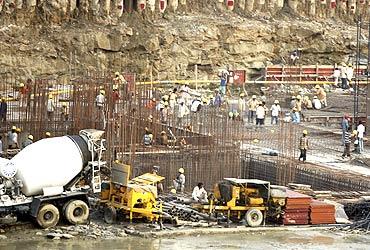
322 213
296 209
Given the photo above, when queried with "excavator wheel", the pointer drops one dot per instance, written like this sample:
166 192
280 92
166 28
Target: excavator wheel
76 212
254 217
110 215
47 216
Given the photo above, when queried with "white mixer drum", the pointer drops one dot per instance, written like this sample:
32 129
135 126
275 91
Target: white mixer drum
49 162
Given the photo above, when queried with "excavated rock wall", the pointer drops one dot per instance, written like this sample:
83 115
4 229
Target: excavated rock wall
170 37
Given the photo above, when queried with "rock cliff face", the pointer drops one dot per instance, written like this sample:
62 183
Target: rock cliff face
170 37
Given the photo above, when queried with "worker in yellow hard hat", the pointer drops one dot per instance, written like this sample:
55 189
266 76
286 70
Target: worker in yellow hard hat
28 141
303 146
179 182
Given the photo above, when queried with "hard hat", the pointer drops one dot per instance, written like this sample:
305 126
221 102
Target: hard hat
165 97
231 114
173 191
50 96
315 97
293 97
305 132
14 127
21 85
146 129
276 101
153 99
64 104
255 140
18 130
150 117
30 137
181 170
317 87
102 92
101 87
115 87
350 65
163 132
299 97
254 96
242 94
48 134
294 109
165 104
117 73
354 132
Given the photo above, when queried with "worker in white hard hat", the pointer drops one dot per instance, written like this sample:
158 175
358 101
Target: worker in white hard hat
179 182
303 145
199 193
28 141
13 138
50 107
47 134
252 107
275 112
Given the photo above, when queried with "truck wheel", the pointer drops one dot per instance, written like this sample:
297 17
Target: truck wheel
76 212
110 215
47 216
254 217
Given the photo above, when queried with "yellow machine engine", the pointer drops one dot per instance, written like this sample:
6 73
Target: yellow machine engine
136 198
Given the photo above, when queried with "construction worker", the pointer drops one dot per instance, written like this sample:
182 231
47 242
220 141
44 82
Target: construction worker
224 74
196 105
217 102
47 135
316 103
347 143
294 56
119 79
298 105
199 193
115 98
275 112
100 100
155 171
3 110
163 139
164 112
182 112
336 76
321 95
179 182
252 108
148 138
13 138
307 104
260 114
173 97
242 106
50 108
293 102
360 136
344 125
349 74
343 76
64 113
295 116
28 141
303 146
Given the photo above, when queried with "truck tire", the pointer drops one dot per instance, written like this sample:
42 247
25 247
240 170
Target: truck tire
110 215
47 216
76 212
254 217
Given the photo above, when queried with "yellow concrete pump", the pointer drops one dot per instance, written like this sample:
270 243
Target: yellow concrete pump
136 198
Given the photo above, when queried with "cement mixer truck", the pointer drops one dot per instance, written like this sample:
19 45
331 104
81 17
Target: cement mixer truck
50 179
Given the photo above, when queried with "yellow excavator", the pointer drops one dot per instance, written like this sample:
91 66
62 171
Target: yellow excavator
135 198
